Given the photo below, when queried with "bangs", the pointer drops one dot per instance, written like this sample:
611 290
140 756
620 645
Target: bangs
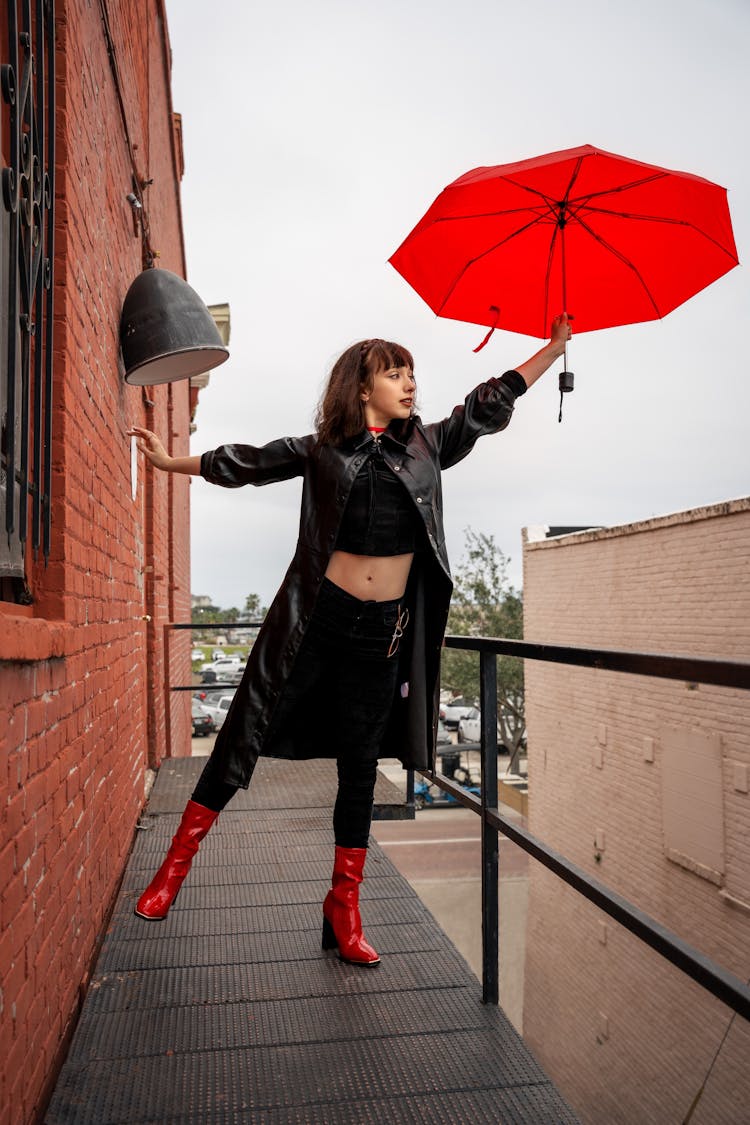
384 354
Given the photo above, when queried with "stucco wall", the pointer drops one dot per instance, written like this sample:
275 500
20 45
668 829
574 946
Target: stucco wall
627 1037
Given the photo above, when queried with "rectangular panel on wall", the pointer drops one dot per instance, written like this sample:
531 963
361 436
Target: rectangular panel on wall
692 800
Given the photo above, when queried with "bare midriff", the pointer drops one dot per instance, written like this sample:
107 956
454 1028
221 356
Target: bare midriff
370 577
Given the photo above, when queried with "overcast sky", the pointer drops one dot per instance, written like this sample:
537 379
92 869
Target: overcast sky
317 134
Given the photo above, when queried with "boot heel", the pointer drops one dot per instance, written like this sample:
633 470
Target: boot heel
329 937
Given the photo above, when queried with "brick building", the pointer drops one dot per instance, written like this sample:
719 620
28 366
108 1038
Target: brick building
82 716
643 782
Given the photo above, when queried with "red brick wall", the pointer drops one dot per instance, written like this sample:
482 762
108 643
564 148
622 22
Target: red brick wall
627 1037
82 713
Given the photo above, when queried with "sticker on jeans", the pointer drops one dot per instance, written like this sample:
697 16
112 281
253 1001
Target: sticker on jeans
405 690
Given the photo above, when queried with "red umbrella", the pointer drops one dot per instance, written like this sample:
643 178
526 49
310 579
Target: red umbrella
610 239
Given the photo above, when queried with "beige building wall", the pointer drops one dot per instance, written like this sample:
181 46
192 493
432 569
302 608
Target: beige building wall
644 783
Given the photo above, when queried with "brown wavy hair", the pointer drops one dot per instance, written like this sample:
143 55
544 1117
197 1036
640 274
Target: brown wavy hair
341 412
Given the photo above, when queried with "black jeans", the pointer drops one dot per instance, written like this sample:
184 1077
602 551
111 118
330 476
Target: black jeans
349 655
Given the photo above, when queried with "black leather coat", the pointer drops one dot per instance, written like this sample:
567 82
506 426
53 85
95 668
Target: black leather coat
417 453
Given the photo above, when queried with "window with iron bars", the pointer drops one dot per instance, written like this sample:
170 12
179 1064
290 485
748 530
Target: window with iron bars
27 142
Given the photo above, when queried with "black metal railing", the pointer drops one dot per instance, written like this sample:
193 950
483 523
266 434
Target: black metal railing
169 687
723 673
214 628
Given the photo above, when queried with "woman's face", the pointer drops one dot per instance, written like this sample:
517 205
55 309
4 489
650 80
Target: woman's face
390 396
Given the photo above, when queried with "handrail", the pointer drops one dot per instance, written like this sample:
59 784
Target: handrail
706 670
711 976
217 626
695 669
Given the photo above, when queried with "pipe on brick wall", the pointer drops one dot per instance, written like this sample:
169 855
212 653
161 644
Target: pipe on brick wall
171 576
149 581
170 502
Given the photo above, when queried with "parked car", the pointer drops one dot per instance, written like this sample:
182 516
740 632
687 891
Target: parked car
470 727
228 670
232 674
452 712
223 661
211 696
217 654
218 709
197 654
203 722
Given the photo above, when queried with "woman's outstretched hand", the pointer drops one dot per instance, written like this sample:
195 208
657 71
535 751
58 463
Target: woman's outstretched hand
149 444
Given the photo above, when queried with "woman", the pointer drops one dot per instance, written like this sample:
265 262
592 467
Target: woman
358 622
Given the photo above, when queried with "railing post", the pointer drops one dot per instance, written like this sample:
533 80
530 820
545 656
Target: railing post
490 866
167 692
410 788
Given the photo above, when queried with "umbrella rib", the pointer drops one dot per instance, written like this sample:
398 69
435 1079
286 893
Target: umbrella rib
658 219
583 199
555 207
541 214
548 275
552 205
472 261
563 215
625 260
532 191
549 204
573 177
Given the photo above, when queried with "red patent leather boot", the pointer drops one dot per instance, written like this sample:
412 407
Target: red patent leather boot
342 925
156 900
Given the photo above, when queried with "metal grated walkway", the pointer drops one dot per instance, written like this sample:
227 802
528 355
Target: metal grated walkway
229 1011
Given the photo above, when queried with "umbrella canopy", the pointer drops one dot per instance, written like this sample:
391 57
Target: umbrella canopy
608 239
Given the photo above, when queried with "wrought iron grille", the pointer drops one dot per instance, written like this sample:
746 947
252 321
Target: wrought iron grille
27 80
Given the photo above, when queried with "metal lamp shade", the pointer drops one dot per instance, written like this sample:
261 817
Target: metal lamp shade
166 332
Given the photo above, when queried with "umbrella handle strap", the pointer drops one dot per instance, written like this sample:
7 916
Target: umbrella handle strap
494 309
566 381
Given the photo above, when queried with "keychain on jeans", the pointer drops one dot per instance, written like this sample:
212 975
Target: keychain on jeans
401 623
